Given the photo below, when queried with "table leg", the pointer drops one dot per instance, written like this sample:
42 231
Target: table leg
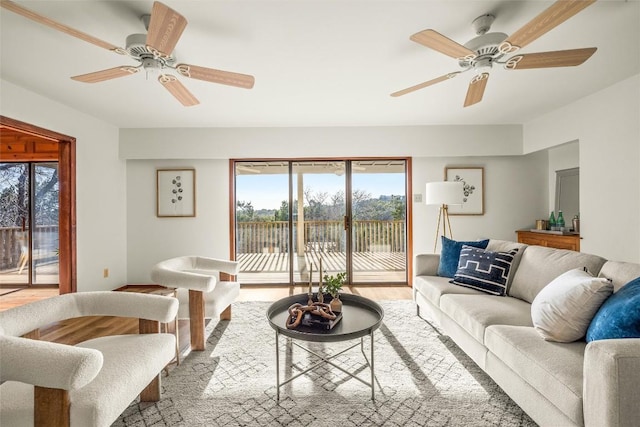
277 367
373 385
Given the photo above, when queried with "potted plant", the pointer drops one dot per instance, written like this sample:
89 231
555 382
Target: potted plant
333 285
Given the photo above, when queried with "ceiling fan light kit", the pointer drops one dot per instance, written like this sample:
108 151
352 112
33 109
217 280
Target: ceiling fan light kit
152 50
482 52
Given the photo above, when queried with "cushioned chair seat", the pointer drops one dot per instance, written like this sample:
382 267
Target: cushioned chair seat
130 363
475 313
215 302
553 369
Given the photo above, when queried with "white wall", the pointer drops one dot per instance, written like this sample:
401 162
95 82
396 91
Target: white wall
152 239
607 124
100 183
226 143
515 192
516 187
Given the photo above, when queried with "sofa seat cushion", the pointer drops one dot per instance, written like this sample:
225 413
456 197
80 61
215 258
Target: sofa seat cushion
539 266
131 362
433 287
553 369
474 313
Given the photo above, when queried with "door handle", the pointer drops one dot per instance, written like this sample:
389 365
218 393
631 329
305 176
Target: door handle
346 222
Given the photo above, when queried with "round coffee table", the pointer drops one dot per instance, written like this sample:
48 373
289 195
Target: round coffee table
360 317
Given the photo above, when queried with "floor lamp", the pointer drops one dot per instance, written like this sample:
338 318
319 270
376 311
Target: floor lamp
443 194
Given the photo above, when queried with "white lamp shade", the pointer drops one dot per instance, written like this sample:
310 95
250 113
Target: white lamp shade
444 193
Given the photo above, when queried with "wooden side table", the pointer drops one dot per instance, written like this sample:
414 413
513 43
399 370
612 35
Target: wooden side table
550 239
158 290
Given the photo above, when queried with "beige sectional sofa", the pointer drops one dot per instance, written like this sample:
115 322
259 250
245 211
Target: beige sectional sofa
557 384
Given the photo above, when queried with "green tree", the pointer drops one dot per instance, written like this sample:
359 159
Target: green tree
244 211
282 214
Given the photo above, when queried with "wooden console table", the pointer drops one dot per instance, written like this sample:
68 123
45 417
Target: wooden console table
550 239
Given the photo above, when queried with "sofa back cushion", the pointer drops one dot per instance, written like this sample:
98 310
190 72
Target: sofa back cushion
540 265
507 246
619 272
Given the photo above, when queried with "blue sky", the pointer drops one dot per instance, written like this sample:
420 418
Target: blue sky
268 191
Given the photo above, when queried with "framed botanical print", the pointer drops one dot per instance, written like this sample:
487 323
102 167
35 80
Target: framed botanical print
472 179
176 193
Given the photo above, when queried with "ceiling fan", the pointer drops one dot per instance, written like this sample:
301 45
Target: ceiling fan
485 50
152 50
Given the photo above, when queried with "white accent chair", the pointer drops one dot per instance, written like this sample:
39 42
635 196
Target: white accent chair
93 382
205 289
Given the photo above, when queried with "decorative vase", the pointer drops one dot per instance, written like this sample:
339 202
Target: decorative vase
336 304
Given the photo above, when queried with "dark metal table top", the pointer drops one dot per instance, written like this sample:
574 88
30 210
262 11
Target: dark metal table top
360 317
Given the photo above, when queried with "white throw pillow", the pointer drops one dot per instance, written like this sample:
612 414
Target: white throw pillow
563 309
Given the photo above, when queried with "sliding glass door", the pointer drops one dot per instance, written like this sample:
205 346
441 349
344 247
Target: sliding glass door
29 223
378 228
319 211
293 216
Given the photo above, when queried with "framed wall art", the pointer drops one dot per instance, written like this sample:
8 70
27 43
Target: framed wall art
176 193
473 189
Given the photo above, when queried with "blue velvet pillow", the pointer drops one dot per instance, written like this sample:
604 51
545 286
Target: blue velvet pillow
450 255
619 316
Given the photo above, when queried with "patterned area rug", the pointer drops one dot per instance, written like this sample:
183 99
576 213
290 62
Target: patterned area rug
423 379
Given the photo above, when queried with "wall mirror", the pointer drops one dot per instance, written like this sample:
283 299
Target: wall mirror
568 193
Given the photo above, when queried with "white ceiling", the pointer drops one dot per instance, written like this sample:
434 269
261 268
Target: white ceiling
316 62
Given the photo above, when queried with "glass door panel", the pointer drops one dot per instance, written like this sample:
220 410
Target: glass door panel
378 227
319 210
290 216
15 267
45 233
262 222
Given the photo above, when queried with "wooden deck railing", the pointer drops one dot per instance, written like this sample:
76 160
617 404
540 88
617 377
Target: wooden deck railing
323 236
13 241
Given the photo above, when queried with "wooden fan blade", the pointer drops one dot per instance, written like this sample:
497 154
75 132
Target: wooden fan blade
216 76
425 84
111 73
177 89
442 44
476 89
558 58
165 28
553 16
13 7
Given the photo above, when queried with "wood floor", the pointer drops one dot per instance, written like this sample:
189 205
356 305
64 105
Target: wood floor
73 331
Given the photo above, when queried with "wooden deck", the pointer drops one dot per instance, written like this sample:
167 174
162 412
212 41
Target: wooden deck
379 267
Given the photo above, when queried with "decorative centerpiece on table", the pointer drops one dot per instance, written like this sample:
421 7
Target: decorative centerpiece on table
316 314
333 285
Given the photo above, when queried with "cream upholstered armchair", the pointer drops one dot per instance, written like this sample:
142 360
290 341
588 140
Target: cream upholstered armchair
205 289
91 383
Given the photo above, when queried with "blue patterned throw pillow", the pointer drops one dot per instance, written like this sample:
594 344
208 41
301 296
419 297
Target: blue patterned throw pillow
619 316
450 255
484 271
